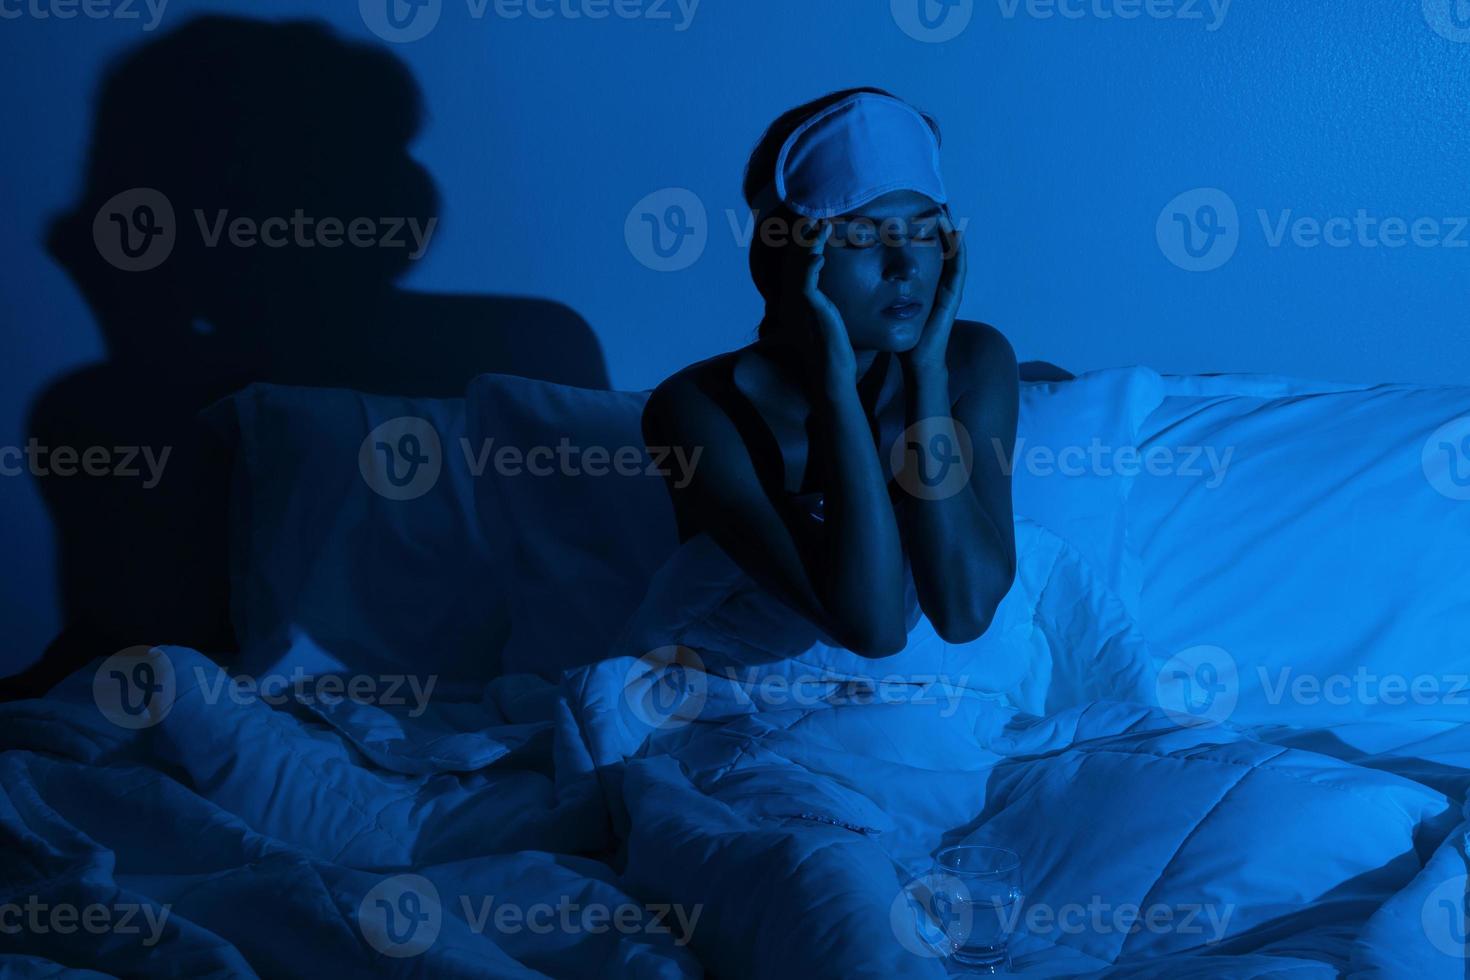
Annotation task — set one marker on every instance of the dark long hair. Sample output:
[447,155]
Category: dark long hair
[760,170]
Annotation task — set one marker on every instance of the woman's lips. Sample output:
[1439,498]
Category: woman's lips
[904,309]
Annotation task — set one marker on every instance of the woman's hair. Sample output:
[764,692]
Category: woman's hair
[760,170]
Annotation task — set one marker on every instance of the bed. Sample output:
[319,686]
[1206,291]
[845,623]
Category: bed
[480,727]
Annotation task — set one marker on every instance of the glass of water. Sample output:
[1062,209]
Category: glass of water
[978,899]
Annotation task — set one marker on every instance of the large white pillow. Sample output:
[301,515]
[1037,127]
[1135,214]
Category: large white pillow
[1320,574]
[336,566]
[587,546]
[564,473]
[1075,462]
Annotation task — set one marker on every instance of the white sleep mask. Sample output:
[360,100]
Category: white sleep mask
[853,152]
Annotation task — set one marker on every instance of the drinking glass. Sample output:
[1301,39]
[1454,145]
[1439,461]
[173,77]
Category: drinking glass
[976,901]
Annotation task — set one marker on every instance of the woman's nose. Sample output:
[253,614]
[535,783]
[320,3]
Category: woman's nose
[899,263]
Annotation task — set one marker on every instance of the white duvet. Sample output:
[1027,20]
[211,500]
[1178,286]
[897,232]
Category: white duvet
[751,816]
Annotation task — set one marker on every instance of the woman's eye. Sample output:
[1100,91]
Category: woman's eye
[924,231]
[861,234]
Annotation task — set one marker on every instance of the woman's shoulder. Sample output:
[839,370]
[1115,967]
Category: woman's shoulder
[979,354]
[974,343]
[723,386]
[701,375]
[701,380]
[693,398]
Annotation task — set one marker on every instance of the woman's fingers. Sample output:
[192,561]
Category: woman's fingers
[817,255]
[816,260]
[824,232]
[802,299]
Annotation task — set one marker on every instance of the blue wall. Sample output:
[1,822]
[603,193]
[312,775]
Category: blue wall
[1070,130]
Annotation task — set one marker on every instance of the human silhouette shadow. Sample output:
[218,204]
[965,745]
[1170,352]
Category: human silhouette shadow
[259,120]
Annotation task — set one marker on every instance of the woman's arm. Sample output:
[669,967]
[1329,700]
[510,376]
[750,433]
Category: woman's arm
[959,532]
[844,573]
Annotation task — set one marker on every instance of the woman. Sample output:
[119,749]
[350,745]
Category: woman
[822,439]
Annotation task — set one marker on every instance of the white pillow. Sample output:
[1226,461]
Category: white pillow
[335,566]
[588,525]
[1072,468]
[1319,575]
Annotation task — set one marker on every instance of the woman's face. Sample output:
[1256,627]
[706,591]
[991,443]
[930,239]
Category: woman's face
[882,270]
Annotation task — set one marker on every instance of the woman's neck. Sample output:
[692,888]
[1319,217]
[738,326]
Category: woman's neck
[793,361]
[866,359]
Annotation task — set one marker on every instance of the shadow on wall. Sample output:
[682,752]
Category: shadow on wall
[248,204]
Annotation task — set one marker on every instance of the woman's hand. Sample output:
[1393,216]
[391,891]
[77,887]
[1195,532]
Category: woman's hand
[828,346]
[927,357]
